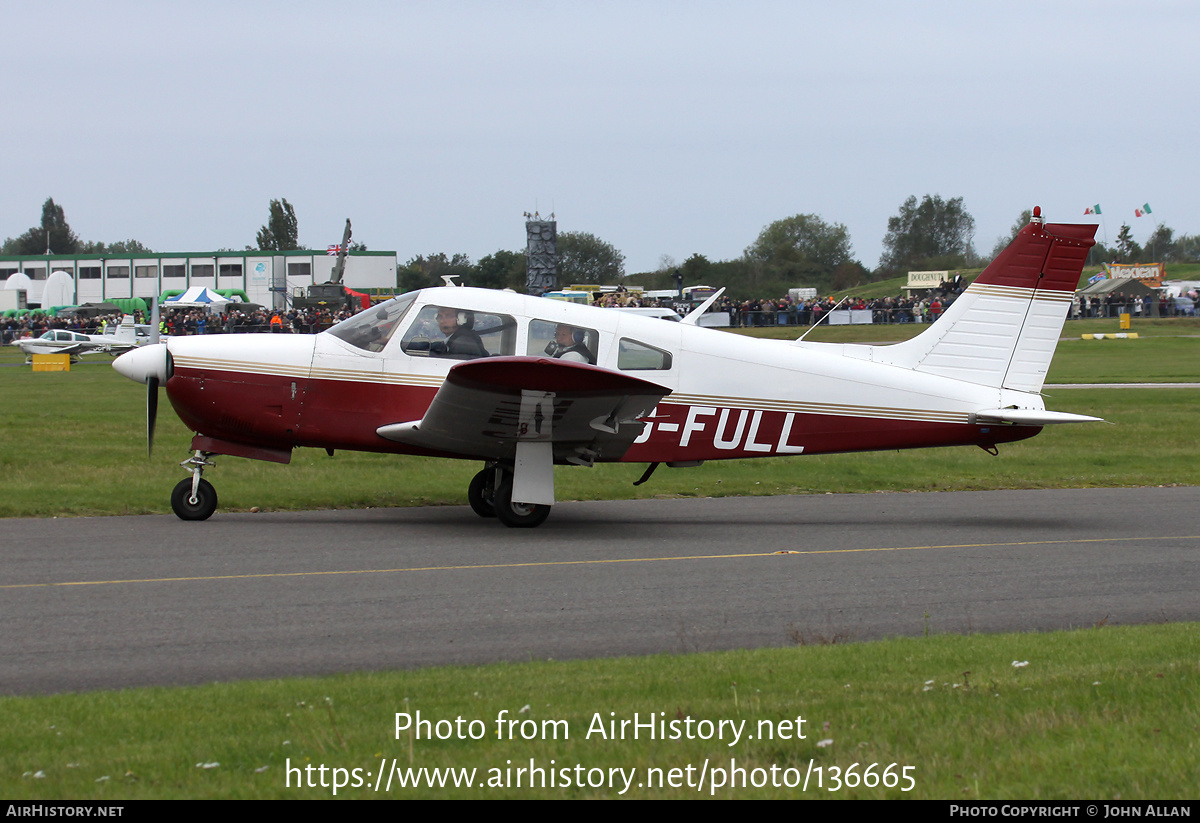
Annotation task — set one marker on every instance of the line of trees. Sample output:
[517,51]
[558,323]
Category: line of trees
[582,258]
[1161,247]
[805,250]
[53,235]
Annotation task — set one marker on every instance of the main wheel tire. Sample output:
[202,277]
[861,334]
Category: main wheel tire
[481,494]
[518,515]
[202,508]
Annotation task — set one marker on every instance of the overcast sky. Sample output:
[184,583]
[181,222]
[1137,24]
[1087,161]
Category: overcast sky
[664,128]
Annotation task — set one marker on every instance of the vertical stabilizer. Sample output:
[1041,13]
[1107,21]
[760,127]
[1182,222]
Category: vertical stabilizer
[1002,330]
[127,331]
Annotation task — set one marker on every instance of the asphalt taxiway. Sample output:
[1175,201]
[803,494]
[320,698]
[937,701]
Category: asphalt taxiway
[114,602]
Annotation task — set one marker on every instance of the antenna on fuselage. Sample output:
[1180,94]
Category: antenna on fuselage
[693,317]
[823,317]
[448,279]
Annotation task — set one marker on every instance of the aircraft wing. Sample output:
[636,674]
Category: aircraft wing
[115,348]
[99,348]
[487,406]
[74,349]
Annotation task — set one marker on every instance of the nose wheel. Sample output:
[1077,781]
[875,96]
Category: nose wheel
[197,504]
[194,498]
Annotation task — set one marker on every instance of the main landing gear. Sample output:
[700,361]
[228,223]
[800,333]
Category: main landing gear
[490,495]
[194,498]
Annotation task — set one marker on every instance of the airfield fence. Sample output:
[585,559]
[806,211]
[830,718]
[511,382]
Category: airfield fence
[896,315]
[738,318]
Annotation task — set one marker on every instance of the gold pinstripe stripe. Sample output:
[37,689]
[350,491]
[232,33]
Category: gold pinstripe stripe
[277,370]
[239,366]
[1018,292]
[1055,296]
[835,409]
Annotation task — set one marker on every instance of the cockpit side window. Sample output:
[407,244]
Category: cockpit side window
[371,330]
[459,334]
[560,340]
[635,356]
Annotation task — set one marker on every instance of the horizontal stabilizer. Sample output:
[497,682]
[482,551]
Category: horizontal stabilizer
[1032,417]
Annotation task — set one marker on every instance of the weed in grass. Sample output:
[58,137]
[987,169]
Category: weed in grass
[799,637]
[309,727]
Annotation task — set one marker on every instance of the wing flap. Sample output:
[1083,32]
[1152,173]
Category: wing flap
[486,406]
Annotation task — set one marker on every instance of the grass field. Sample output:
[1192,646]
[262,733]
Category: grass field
[74,444]
[1096,713]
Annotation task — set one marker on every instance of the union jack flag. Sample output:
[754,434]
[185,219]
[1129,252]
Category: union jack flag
[334,251]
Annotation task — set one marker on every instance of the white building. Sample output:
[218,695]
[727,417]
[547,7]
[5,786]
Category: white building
[265,277]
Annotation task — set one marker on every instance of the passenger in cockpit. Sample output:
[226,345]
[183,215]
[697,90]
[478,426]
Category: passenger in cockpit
[569,345]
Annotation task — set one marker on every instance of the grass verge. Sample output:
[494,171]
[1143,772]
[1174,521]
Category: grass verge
[1095,713]
[74,444]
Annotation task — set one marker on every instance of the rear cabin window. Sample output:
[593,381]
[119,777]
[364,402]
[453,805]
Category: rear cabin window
[635,356]
[560,340]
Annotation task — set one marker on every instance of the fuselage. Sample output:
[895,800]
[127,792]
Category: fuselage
[730,396]
[55,340]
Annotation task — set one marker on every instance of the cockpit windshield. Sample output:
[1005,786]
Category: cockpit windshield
[371,330]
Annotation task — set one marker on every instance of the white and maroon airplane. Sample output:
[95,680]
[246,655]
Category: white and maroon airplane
[524,383]
[124,337]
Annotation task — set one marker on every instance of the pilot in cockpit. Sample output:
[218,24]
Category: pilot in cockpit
[461,338]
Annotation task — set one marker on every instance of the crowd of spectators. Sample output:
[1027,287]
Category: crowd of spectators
[181,322]
[917,308]
[1149,305]
[782,311]
[257,321]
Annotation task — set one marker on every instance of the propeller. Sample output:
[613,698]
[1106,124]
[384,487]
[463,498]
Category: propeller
[151,412]
[152,381]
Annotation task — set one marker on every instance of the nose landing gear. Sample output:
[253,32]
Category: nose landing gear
[194,498]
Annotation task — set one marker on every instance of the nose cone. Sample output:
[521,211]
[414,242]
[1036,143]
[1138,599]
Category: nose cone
[143,363]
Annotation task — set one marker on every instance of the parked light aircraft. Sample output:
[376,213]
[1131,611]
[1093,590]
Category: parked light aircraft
[62,341]
[476,374]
